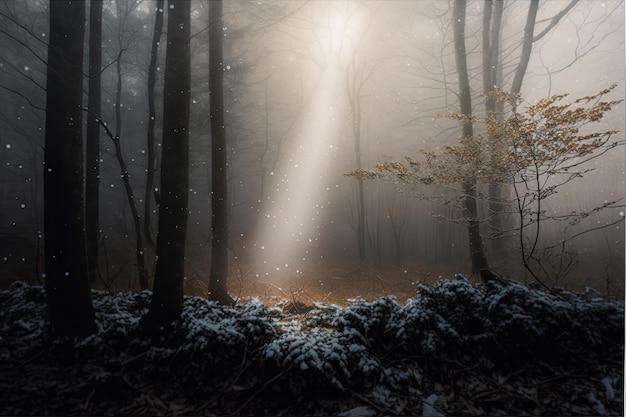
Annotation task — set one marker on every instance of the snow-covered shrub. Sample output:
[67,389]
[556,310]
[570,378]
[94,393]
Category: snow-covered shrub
[210,324]
[23,317]
[442,318]
[210,342]
[319,363]
[506,323]
[119,314]
[368,323]
[534,324]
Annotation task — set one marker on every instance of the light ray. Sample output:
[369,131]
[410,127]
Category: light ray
[290,218]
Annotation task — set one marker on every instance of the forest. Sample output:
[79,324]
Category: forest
[312,207]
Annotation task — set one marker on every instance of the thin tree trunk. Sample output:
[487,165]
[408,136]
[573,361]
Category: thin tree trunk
[167,299]
[355,101]
[156,38]
[527,47]
[92,179]
[492,64]
[67,278]
[144,283]
[477,253]
[219,195]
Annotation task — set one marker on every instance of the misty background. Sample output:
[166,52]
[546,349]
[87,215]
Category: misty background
[304,81]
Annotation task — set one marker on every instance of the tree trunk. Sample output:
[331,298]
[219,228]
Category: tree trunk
[477,252]
[144,282]
[492,66]
[167,299]
[156,38]
[92,179]
[354,94]
[527,47]
[67,278]
[219,196]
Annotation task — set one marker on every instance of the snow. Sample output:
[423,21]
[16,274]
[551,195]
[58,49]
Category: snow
[429,409]
[379,348]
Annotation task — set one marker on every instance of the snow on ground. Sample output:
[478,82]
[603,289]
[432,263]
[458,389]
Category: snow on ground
[455,348]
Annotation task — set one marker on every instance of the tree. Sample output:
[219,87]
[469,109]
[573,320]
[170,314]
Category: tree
[536,153]
[67,278]
[152,70]
[477,251]
[140,249]
[219,180]
[167,299]
[92,178]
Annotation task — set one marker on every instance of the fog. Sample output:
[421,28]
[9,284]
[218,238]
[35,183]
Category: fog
[314,90]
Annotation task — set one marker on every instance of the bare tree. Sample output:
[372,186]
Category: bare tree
[92,152]
[219,179]
[469,185]
[67,279]
[167,299]
[150,169]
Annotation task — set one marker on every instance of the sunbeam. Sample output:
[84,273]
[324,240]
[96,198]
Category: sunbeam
[290,217]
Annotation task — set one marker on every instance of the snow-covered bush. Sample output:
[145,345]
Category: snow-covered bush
[388,354]
[368,323]
[23,317]
[320,362]
[508,323]
[210,342]
[532,324]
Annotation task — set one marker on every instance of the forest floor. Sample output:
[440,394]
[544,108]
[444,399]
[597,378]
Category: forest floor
[338,280]
[453,348]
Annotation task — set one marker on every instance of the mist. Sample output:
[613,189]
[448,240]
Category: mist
[314,90]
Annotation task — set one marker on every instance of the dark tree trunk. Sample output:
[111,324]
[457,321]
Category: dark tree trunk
[67,278]
[92,177]
[477,252]
[156,38]
[492,66]
[219,196]
[527,46]
[167,299]
[140,251]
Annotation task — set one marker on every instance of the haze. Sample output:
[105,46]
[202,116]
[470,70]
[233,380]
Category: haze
[314,90]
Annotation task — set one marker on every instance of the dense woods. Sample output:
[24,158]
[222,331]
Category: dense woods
[314,156]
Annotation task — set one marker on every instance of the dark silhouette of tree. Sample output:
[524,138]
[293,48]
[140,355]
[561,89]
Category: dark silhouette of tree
[67,279]
[167,299]
[140,250]
[150,169]
[477,251]
[92,177]
[219,180]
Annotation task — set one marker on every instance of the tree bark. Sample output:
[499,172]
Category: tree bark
[167,299]
[92,152]
[219,196]
[477,252]
[65,259]
[144,282]
[527,47]
[492,65]
[156,38]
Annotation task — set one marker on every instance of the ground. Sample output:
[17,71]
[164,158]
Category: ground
[453,348]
